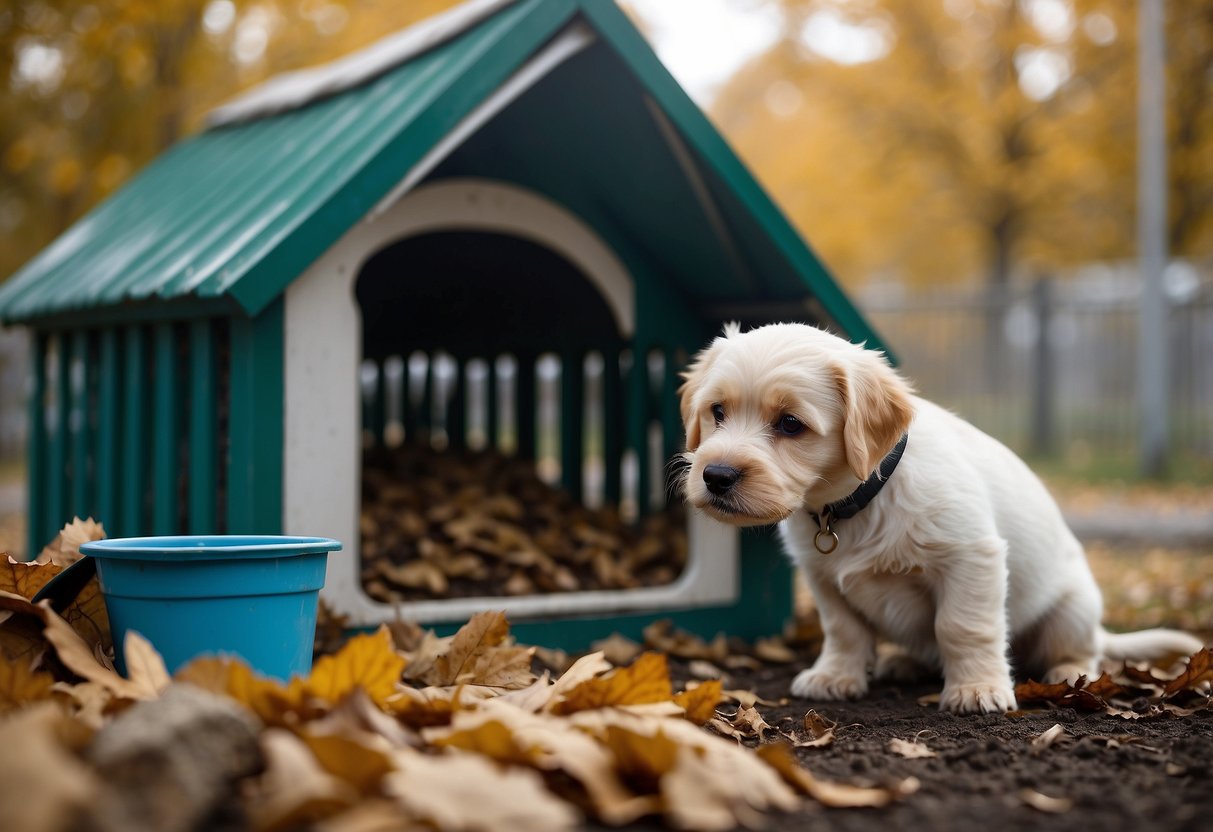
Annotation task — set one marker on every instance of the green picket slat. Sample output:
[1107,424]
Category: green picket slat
[166,407]
[57,472]
[203,429]
[254,479]
[109,385]
[81,475]
[133,474]
[37,446]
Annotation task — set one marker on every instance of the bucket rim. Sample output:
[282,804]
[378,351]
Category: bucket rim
[208,547]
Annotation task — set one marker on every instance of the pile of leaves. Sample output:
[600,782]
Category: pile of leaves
[1132,691]
[445,525]
[397,729]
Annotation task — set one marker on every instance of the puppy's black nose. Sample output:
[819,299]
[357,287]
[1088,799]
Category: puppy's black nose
[720,478]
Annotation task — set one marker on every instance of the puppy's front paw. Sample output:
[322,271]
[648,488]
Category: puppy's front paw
[978,699]
[828,684]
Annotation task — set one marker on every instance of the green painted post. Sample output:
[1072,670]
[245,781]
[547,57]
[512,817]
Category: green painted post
[254,480]
[82,477]
[37,447]
[572,422]
[166,431]
[57,482]
[133,478]
[203,429]
[108,402]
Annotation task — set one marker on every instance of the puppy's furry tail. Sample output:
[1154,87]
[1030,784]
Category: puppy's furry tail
[1149,645]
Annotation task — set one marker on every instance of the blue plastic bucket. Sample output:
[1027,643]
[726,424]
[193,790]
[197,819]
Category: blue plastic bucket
[254,597]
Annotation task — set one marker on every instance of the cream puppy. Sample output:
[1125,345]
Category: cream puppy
[960,558]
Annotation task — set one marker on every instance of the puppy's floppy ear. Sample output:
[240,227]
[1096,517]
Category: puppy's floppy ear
[876,407]
[692,380]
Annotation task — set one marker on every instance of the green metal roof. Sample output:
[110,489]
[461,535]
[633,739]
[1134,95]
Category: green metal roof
[237,212]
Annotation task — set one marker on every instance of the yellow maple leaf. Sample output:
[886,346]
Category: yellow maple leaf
[20,684]
[366,661]
[645,681]
[700,702]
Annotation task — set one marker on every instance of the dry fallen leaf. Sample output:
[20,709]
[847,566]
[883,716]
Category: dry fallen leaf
[368,661]
[617,649]
[295,788]
[64,550]
[836,795]
[144,667]
[1048,738]
[25,578]
[71,650]
[1045,803]
[20,684]
[1198,672]
[43,785]
[664,636]
[478,654]
[910,749]
[700,702]
[774,650]
[462,791]
[644,681]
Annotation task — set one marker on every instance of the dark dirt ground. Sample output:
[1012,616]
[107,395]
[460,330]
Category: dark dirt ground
[1133,774]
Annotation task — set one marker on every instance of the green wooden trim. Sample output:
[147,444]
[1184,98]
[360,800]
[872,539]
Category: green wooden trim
[109,383]
[715,152]
[254,481]
[36,440]
[272,270]
[147,312]
[572,422]
[166,431]
[133,480]
[81,439]
[58,476]
[203,428]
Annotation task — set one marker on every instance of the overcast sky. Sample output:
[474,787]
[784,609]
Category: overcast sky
[702,42]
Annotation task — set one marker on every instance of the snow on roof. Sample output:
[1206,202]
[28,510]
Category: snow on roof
[292,90]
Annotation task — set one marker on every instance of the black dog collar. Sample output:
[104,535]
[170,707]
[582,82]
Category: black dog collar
[826,539]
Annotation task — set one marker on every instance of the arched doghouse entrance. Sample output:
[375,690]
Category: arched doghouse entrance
[471,270]
[456,325]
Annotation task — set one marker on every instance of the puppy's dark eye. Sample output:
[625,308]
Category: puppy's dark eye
[718,413]
[789,426]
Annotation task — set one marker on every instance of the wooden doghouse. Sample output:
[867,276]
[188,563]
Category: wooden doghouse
[507,179]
